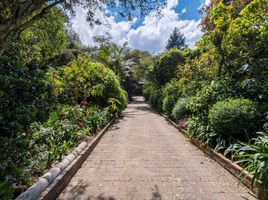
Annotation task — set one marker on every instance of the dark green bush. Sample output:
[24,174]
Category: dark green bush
[153,95]
[168,104]
[25,96]
[156,99]
[234,117]
[166,66]
[180,110]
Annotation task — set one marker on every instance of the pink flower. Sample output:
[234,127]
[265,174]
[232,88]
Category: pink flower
[84,103]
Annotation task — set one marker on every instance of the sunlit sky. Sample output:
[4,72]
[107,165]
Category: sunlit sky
[149,33]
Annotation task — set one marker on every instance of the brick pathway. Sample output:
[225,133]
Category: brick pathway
[143,157]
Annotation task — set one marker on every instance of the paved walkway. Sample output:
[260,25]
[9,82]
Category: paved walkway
[143,157]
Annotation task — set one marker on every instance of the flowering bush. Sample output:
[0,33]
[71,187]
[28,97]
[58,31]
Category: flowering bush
[84,80]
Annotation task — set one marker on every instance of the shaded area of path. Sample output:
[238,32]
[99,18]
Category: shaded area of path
[143,157]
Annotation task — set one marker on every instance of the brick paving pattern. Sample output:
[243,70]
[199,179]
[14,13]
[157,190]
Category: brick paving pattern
[143,157]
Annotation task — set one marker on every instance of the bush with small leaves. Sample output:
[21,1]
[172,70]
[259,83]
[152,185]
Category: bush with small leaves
[180,109]
[234,117]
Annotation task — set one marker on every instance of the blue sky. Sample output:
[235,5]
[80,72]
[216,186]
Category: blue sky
[149,33]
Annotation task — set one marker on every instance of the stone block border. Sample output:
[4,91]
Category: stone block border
[226,163]
[52,183]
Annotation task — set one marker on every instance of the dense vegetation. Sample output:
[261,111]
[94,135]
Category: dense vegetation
[221,87]
[53,95]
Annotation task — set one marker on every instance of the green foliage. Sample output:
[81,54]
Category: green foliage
[153,95]
[196,69]
[26,96]
[15,156]
[168,104]
[180,110]
[167,64]
[246,46]
[65,128]
[173,88]
[85,80]
[212,92]
[29,153]
[43,40]
[234,117]
[156,99]
[171,92]
[197,127]
[253,157]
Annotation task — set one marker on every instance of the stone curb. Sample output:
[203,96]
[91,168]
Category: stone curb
[52,183]
[226,163]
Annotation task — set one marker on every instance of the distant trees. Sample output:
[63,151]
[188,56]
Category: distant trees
[176,40]
[166,66]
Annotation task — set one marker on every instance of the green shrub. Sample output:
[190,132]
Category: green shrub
[65,128]
[148,88]
[156,99]
[197,127]
[253,157]
[168,104]
[85,80]
[165,67]
[173,88]
[234,117]
[26,96]
[180,109]
[153,95]
[210,93]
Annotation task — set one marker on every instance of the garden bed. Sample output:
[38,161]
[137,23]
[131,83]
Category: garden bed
[51,184]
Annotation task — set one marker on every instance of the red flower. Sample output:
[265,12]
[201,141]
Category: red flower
[84,103]
[85,111]
[30,133]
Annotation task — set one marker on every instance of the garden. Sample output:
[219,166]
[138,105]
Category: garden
[56,92]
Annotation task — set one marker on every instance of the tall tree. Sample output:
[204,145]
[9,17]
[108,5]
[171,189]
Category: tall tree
[16,16]
[176,40]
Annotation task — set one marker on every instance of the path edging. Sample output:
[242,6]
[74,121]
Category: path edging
[52,183]
[226,163]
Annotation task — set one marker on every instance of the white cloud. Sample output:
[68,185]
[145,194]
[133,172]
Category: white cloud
[183,11]
[151,35]
[172,4]
[118,30]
